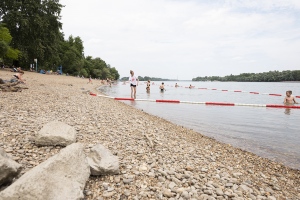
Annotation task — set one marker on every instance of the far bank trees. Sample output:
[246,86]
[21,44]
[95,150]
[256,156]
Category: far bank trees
[271,76]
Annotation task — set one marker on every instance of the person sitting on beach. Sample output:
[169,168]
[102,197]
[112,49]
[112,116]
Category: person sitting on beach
[14,69]
[148,86]
[162,87]
[18,77]
[176,85]
[289,98]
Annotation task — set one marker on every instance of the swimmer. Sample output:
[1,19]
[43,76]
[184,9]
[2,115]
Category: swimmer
[162,87]
[289,98]
[191,86]
[176,85]
[133,83]
[148,86]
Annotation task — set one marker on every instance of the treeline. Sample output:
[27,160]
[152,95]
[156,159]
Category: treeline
[32,30]
[271,76]
[146,78]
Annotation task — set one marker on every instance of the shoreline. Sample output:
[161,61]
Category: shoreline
[197,163]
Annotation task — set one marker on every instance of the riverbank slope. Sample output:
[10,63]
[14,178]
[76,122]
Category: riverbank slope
[158,159]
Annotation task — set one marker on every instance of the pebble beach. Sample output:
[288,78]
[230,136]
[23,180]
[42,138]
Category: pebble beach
[158,159]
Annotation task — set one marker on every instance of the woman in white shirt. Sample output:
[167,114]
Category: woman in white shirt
[133,83]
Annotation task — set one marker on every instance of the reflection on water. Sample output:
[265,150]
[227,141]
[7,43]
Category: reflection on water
[287,111]
[268,132]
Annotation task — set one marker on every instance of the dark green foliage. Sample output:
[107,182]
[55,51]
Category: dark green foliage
[35,28]
[271,76]
[6,51]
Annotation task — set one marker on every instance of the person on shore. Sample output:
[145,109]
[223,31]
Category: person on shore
[148,86]
[176,85]
[108,82]
[162,87]
[18,77]
[90,80]
[289,98]
[134,82]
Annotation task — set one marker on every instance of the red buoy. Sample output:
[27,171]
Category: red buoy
[281,106]
[168,101]
[275,95]
[126,99]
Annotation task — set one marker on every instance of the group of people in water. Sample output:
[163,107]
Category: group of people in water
[134,83]
[288,100]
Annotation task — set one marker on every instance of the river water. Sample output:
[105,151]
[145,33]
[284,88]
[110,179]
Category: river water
[273,133]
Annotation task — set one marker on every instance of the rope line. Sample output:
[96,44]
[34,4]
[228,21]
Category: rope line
[194,102]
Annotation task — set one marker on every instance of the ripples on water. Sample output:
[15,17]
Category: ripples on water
[268,132]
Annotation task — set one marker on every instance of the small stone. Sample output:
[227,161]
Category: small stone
[127,181]
[108,194]
[168,193]
[229,185]
[185,195]
[219,192]
[180,190]
[171,185]
[209,192]
[161,179]
[143,168]
[117,180]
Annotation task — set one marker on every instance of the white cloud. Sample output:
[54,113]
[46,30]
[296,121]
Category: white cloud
[187,38]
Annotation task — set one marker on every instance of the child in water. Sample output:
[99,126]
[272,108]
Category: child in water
[162,87]
[289,98]
[148,86]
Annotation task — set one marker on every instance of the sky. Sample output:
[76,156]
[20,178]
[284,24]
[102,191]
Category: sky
[183,39]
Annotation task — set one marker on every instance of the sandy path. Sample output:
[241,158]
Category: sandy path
[181,164]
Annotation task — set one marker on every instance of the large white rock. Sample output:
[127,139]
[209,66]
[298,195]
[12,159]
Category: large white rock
[102,161]
[63,176]
[56,133]
[9,168]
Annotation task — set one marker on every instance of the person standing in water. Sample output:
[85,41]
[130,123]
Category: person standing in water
[148,86]
[289,98]
[162,87]
[133,83]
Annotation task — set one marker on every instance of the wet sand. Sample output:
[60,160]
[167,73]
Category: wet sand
[158,159]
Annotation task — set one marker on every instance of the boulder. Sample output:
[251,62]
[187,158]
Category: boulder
[9,168]
[56,133]
[102,161]
[63,176]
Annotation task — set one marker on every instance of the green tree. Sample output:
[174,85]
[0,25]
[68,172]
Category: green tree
[35,28]
[5,40]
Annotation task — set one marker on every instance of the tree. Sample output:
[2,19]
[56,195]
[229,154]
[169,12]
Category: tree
[5,40]
[35,28]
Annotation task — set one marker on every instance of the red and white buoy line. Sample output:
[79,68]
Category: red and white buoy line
[222,90]
[204,103]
